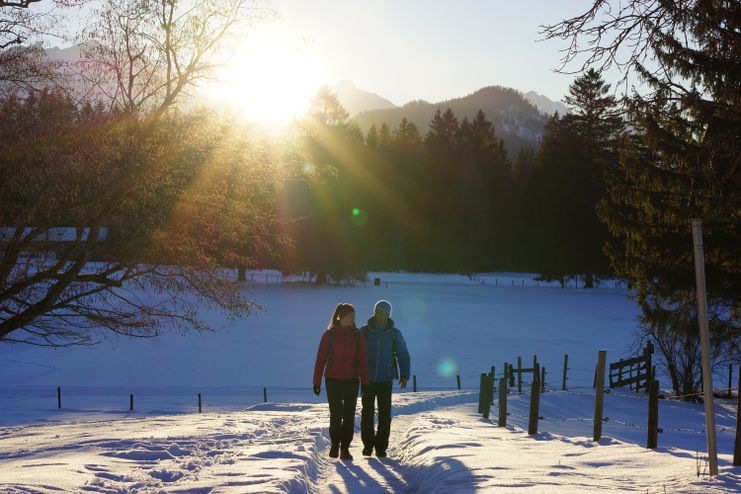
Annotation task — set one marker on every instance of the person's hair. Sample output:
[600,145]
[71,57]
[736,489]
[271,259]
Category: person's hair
[340,311]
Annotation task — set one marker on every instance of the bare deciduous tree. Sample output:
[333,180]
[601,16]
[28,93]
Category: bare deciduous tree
[122,215]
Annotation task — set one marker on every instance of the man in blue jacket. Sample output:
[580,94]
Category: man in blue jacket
[386,348]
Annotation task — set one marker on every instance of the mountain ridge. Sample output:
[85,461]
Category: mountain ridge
[517,121]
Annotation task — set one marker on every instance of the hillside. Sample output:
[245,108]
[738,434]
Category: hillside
[518,123]
[356,100]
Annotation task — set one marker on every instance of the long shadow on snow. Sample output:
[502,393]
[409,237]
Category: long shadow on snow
[447,475]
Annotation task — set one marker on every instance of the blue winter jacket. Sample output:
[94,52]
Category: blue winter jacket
[386,347]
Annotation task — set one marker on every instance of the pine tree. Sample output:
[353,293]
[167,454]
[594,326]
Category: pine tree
[684,162]
[441,146]
[328,238]
[575,152]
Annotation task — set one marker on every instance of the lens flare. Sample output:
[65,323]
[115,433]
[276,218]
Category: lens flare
[447,367]
[359,217]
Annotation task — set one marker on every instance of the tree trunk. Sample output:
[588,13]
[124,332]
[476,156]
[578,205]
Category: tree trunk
[589,280]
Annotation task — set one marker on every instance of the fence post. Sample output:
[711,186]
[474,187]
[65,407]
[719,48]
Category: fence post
[482,387]
[511,375]
[414,383]
[653,414]
[542,379]
[59,397]
[532,426]
[486,404]
[730,373]
[737,444]
[131,403]
[502,402]
[199,403]
[492,382]
[648,353]
[600,394]
[458,378]
[565,368]
[265,394]
[519,375]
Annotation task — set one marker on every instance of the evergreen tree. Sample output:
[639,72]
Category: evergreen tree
[684,162]
[441,147]
[484,187]
[371,139]
[328,238]
[575,152]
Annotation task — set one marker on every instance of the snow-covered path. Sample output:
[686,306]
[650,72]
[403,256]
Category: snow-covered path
[438,445]
[368,474]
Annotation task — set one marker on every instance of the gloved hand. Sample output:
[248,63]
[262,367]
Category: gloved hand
[317,390]
[403,382]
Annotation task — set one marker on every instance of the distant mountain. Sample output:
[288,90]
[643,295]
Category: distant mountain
[517,121]
[71,54]
[356,100]
[544,104]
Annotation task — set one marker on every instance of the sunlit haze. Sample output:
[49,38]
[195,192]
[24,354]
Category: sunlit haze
[270,79]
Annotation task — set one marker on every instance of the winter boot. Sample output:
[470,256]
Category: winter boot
[381,453]
[345,454]
[334,451]
[368,450]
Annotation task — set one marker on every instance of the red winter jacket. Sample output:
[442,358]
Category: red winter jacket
[348,359]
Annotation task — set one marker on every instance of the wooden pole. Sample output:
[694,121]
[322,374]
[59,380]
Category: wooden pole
[131,403]
[492,382]
[482,391]
[59,397]
[511,375]
[265,394]
[458,378]
[737,444]
[599,394]
[653,414]
[730,374]
[565,368]
[542,379]
[702,316]
[199,403]
[486,404]
[532,425]
[503,402]
[414,383]
[519,375]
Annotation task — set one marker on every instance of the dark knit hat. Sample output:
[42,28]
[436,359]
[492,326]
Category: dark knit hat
[342,310]
[383,305]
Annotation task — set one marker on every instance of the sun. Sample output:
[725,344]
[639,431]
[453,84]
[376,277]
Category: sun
[270,79]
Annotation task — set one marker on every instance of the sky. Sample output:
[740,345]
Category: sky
[433,49]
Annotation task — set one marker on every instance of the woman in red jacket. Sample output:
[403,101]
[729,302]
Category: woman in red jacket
[342,358]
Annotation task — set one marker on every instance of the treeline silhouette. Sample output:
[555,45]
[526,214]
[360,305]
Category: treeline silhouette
[453,199]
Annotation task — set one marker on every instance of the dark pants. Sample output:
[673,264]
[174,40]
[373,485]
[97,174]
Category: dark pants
[382,393]
[342,395]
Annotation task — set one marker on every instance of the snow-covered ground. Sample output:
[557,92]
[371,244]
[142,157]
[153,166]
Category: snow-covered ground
[453,326]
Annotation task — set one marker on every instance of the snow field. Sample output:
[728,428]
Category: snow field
[453,326]
[438,444]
